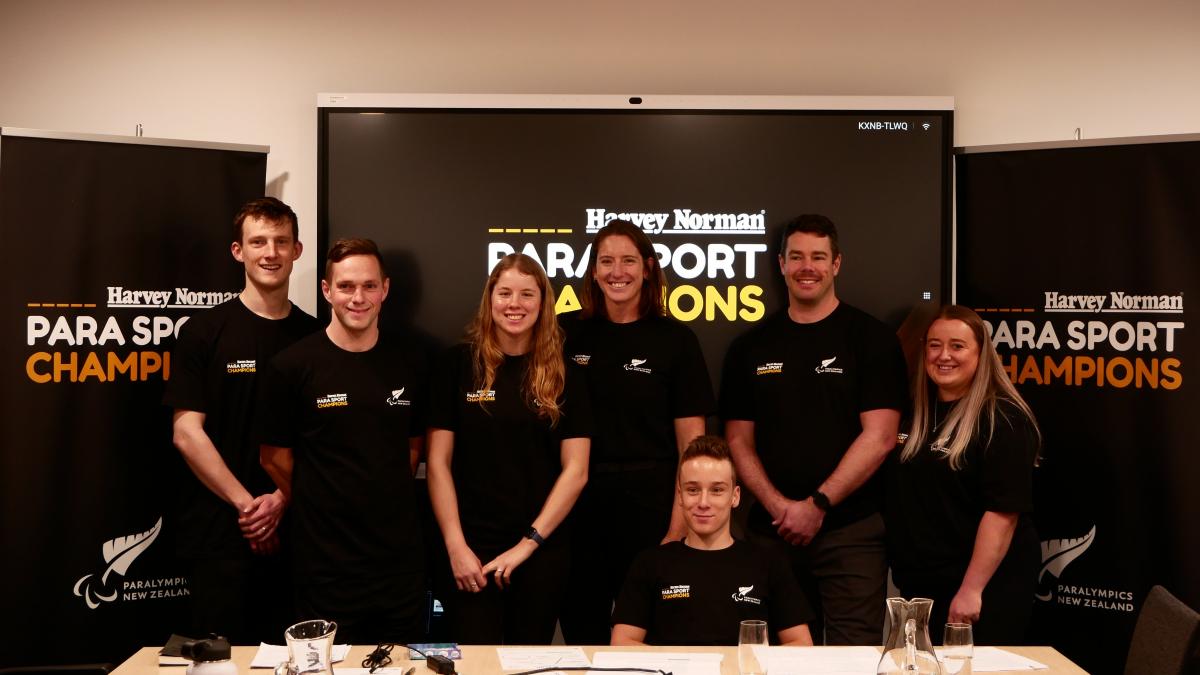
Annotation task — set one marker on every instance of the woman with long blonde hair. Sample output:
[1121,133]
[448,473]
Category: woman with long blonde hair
[960,492]
[508,456]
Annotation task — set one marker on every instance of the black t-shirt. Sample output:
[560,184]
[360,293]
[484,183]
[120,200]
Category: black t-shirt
[214,370]
[933,512]
[642,376]
[804,386]
[506,457]
[348,417]
[687,596]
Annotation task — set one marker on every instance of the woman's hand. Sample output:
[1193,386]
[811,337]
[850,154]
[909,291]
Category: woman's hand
[992,539]
[468,572]
[501,568]
[965,606]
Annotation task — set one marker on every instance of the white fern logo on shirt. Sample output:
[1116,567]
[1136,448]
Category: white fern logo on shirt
[826,366]
[743,595]
[395,399]
[636,365]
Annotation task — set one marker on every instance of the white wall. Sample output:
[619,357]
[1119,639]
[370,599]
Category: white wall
[249,72]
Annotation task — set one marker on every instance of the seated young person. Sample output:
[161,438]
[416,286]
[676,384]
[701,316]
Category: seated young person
[698,590]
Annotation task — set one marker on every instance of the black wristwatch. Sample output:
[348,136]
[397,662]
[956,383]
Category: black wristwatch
[821,500]
[535,536]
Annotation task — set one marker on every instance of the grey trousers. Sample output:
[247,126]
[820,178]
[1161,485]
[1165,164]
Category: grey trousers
[843,573]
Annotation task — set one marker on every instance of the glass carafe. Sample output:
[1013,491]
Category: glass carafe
[908,650]
[310,646]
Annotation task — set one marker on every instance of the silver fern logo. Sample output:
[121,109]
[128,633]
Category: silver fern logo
[1103,594]
[636,365]
[119,553]
[827,366]
[1056,555]
[743,595]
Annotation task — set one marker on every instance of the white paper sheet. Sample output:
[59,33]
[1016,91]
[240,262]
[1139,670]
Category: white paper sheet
[992,659]
[269,656]
[390,670]
[805,660]
[529,658]
[677,663]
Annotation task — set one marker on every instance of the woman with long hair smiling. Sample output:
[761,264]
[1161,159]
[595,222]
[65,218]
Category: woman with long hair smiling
[960,493]
[650,393]
[508,455]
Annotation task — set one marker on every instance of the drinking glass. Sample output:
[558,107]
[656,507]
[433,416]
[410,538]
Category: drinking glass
[958,645]
[752,634]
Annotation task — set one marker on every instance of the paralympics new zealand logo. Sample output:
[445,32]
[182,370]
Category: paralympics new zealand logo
[636,365]
[826,364]
[743,595]
[395,399]
[1102,594]
[119,553]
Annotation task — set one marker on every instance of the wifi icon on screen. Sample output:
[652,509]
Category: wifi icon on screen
[925,126]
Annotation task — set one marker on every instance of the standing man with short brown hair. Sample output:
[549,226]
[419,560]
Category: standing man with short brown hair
[229,510]
[811,399]
[342,428]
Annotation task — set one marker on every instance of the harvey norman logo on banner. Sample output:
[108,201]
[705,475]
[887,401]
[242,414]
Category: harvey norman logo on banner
[119,340]
[1115,301]
[111,584]
[682,221]
[717,273]
[179,298]
[1114,339]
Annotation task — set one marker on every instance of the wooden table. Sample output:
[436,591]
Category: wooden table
[482,660]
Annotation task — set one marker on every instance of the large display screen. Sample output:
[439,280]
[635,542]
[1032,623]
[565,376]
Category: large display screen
[448,185]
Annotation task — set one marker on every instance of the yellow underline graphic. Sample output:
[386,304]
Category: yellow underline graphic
[530,230]
[62,305]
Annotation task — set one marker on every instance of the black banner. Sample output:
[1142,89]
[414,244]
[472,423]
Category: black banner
[1082,260]
[111,245]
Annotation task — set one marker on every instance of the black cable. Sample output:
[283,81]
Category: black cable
[381,657]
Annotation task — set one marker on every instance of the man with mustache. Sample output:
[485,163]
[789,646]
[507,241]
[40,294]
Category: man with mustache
[811,399]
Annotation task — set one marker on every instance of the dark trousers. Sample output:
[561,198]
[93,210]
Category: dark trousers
[242,597]
[843,573]
[618,515]
[524,612]
[1007,599]
[394,608]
